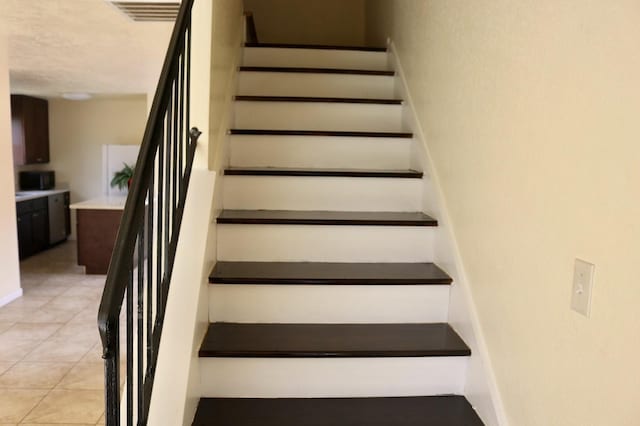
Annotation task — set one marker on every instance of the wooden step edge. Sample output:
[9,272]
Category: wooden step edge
[325,273]
[317,47]
[323,222]
[330,133]
[398,174]
[311,70]
[246,98]
[246,340]
[437,410]
[434,353]
[327,218]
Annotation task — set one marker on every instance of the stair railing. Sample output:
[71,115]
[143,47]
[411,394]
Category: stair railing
[143,256]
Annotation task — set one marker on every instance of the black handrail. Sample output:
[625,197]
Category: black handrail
[148,236]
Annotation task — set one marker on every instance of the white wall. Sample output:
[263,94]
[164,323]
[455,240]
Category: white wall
[530,114]
[10,281]
[309,21]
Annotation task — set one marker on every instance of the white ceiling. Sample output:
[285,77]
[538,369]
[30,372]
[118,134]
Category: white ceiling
[59,46]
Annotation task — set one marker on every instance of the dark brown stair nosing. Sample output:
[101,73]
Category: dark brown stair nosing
[363,173]
[314,217]
[316,99]
[328,273]
[312,70]
[338,133]
[317,47]
[267,340]
[438,410]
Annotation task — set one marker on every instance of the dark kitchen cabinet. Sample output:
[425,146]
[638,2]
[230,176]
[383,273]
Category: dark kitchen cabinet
[30,130]
[42,223]
[33,226]
[25,235]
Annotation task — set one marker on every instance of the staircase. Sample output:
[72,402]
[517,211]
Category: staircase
[324,306]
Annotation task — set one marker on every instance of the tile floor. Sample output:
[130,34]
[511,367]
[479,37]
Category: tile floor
[50,366]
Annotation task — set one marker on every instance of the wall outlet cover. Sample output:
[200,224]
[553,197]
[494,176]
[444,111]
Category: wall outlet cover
[582,287]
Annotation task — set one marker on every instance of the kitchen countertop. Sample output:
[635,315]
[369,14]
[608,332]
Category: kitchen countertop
[112,202]
[32,195]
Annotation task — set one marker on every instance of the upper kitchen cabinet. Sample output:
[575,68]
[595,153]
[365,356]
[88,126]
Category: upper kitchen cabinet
[30,129]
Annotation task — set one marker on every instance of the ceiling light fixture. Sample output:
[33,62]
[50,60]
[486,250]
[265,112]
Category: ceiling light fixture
[76,96]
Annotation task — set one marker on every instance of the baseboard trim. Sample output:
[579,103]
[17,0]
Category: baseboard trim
[10,297]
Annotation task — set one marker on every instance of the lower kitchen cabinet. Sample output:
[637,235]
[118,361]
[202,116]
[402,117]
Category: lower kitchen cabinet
[42,222]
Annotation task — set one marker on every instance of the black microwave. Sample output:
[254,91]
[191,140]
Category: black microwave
[37,180]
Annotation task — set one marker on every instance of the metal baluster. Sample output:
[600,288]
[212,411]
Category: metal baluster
[112,379]
[175,170]
[168,210]
[159,249]
[129,314]
[188,88]
[150,258]
[140,331]
[181,126]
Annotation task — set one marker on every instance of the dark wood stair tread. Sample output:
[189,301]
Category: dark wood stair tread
[328,273]
[312,217]
[317,99]
[331,340]
[449,410]
[338,133]
[284,171]
[317,47]
[314,70]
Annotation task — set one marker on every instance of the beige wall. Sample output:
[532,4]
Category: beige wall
[79,129]
[309,21]
[530,111]
[10,281]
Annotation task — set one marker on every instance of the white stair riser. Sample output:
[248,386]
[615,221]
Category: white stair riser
[314,58]
[336,243]
[336,304]
[311,84]
[320,152]
[321,377]
[321,193]
[318,116]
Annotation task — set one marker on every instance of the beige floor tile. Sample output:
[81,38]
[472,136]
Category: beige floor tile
[94,354]
[15,350]
[88,376]
[101,421]
[29,301]
[53,424]
[88,314]
[4,366]
[70,406]
[46,290]
[14,314]
[55,350]
[76,304]
[30,331]
[5,325]
[78,331]
[47,314]
[83,291]
[34,375]
[16,403]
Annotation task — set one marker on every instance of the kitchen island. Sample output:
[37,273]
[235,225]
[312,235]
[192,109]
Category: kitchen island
[97,223]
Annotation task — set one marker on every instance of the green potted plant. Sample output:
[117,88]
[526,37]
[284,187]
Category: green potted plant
[122,178]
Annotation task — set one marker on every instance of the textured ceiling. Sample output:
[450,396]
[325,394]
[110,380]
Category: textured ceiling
[59,46]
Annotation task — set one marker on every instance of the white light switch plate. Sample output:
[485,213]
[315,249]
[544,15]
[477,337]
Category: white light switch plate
[582,287]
